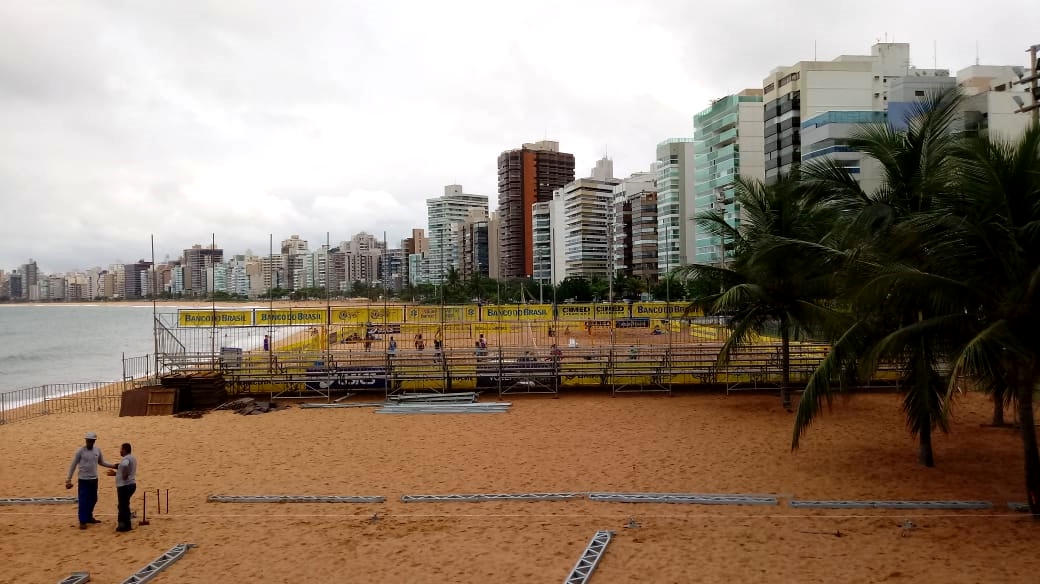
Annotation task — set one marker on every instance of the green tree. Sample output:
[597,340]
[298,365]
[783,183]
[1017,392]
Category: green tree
[889,277]
[774,280]
[987,235]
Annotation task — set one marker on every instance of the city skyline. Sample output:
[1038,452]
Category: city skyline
[188,119]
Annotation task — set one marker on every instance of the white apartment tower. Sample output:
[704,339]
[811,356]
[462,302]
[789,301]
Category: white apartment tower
[580,232]
[675,202]
[452,207]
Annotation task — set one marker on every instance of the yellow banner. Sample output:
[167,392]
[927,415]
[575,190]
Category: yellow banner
[419,314]
[524,312]
[349,315]
[377,315]
[611,311]
[575,311]
[660,310]
[223,318]
[290,316]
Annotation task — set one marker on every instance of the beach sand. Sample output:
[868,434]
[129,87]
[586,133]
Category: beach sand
[688,443]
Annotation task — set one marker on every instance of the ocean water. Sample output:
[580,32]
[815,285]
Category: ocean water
[56,343]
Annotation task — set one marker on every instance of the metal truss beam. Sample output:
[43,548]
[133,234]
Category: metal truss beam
[161,563]
[477,498]
[688,498]
[76,578]
[291,499]
[38,501]
[589,558]
[953,505]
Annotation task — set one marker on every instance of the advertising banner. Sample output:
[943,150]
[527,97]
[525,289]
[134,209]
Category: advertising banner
[611,311]
[349,315]
[282,317]
[575,311]
[524,312]
[660,310]
[377,314]
[423,314]
[632,323]
[206,318]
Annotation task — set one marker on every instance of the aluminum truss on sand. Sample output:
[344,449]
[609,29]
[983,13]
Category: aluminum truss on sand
[589,558]
[38,501]
[489,497]
[76,578]
[291,499]
[691,498]
[952,505]
[161,563]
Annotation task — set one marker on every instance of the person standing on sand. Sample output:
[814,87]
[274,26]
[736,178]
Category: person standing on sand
[126,485]
[87,459]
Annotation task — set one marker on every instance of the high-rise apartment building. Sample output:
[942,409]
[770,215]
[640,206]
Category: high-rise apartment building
[362,256]
[572,233]
[796,95]
[675,168]
[197,261]
[30,280]
[294,251]
[136,278]
[542,238]
[634,223]
[471,241]
[316,272]
[415,249]
[443,212]
[526,176]
[728,141]
[494,261]
[393,269]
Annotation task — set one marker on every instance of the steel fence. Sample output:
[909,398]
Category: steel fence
[31,402]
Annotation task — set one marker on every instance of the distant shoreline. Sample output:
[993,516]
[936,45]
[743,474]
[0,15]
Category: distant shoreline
[206,304]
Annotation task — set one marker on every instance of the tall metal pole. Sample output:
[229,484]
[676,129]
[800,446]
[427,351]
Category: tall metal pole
[155,315]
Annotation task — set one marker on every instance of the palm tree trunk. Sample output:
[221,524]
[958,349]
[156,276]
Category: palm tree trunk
[785,365]
[1029,446]
[998,405]
[925,455]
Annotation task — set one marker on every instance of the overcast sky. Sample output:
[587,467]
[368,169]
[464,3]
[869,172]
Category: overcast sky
[122,119]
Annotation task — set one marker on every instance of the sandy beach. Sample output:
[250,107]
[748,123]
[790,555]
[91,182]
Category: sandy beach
[584,442]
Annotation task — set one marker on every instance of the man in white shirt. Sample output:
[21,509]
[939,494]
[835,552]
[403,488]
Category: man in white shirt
[86,460]
[126,485]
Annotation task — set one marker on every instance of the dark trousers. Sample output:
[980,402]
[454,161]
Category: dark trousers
[124,494]
[87,496]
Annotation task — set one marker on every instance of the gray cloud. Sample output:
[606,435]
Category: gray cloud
[122,119]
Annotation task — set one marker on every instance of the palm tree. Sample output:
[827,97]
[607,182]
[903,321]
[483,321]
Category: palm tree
[989,234]
[772,280]
[888,282]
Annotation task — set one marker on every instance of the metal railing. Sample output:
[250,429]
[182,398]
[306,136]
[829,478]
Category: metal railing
[32,402]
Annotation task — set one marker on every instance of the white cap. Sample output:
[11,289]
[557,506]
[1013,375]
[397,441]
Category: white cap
[91,436]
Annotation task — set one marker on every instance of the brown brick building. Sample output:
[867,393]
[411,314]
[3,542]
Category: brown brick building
[526,176]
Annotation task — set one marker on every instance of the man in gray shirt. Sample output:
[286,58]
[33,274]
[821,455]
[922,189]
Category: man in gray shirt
[87,459]
[126,485]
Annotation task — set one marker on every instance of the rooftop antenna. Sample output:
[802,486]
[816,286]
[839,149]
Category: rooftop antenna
[976,52]
[935,54]
[814,50]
